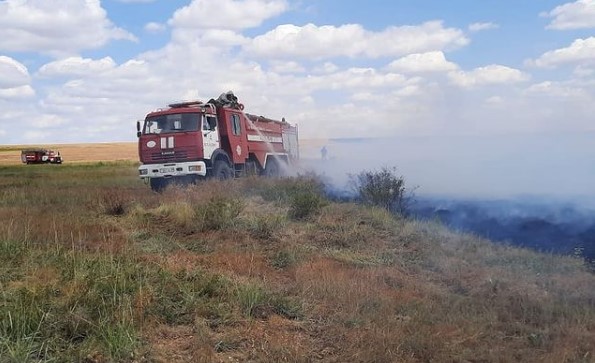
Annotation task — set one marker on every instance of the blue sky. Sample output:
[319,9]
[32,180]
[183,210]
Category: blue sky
[86,70]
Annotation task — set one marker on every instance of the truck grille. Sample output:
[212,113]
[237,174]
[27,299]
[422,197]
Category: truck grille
[181,154]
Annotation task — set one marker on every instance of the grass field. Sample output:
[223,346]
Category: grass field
[94,267]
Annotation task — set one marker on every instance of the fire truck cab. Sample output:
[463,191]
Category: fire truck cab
[192,140]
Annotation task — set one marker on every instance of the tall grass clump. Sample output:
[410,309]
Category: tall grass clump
[305,204]
[284,190]
[113,202]
[251,298]
[263,227]
[22,316]
[219,212]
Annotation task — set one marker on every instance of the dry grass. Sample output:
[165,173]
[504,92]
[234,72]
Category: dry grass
[76,153]
[95,267]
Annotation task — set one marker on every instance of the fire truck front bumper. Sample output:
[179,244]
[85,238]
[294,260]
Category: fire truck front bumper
[170,170]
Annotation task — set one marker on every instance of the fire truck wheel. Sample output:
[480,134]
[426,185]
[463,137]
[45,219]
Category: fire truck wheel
[222,170]
[158,184]
[272,169]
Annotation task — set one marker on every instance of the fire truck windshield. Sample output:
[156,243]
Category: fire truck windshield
[179,122]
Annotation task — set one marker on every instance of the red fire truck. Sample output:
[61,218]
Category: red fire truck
[40,156]
[189,141]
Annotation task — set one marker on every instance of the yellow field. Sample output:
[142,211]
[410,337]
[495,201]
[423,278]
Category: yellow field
[114,151]
[76,153]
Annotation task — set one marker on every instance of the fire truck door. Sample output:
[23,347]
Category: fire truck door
[210,135]
[237,138]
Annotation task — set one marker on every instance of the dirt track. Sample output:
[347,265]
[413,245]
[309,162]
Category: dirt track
[76,153]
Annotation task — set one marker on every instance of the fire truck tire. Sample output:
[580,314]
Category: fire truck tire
[158,184]
[272,170]
[222,170]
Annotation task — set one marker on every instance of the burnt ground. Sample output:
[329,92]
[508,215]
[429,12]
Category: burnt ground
[559,228]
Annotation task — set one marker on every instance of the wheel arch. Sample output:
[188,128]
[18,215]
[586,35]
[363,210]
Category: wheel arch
[276,157]
[220,155]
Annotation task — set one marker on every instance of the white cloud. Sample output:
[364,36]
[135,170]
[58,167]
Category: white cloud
[352,40]
[12,73]
[488,75]
[51,27]
[576,15]
[326,67]
[76,66]
[423,63]
[17,92]
[557,89]
[48,121]
[287,67]
[584,71]
[14,80]
[494,101]
[358,79]
[154,27]
[581,52]
[226,14]
[221,38]
[476,27]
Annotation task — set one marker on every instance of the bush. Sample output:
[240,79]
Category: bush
[219,213]
[113,203]
[251,299]
[382,188]
[283,259]
[264,227]
[305,204]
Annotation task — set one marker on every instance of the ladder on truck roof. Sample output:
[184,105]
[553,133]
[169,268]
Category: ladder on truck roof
[186,104]
[194,104]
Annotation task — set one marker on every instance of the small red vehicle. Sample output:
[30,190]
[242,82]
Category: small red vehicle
[40,156]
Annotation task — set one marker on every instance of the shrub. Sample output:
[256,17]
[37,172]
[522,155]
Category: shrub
[219,213]
[251,298]
[305,204]
[291,308]
[382,188]
[120,340]
[284,258]
[113,203]
[263,227]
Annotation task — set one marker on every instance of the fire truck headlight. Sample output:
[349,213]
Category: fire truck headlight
[194,168]
[143,171]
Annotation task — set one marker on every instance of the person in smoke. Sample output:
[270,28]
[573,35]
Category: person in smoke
[323,152]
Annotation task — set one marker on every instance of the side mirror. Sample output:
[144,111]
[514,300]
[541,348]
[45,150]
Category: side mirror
[138,129]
